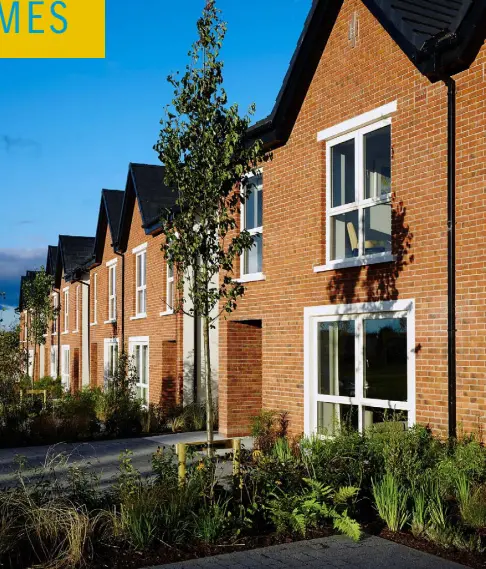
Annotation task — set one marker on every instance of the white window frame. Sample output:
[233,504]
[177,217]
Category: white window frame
[30,364]
[53,364]
[109,355]
[55,305]
[357,312]
[141,288]
[95,299]
[76,321]
[354,128]
[249,277]
[111,292]
[66,310]
[66,375]
[132,344]
[169,289]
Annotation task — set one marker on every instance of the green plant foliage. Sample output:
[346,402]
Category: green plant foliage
[297,513]
[391,502]
[204,146]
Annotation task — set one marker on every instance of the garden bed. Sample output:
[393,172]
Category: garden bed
[427,493]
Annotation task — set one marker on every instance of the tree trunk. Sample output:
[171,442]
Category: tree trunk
[209,387]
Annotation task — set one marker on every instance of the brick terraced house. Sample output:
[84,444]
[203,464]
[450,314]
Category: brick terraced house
[364,289]
[72,285]
[363,302]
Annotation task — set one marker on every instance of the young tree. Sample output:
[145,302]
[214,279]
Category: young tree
[204,146]
[39,307]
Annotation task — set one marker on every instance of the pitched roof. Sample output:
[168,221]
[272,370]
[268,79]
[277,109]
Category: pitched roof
[146,186]
[51,260]
[440,37]
[74,252]
[109,216]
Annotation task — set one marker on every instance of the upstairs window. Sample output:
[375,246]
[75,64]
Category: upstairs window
[66,310]
[55,306]
[252,221]
[170,288]
[141,285]
[112,293]
[359,207]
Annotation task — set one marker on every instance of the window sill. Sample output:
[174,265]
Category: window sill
[356,262]
[65,332]
[75,331]
[93,323]
[167,313]
[113,321]
[139,316]
[251,278]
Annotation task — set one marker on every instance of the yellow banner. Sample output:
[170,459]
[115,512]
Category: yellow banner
[52,29]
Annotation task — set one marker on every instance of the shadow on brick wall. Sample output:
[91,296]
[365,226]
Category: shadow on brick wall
[373,283]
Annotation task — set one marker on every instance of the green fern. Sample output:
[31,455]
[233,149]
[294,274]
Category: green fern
[347,526]
[344,494]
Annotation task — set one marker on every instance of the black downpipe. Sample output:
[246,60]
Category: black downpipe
[196,355]
[122,255]
[58,329]
[451,254]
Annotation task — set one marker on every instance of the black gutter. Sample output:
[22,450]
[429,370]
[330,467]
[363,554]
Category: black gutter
[451,255]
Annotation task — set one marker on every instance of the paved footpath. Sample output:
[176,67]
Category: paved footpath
[327,553]
[100,457]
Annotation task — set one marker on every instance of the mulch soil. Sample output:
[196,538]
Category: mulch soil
[116,558]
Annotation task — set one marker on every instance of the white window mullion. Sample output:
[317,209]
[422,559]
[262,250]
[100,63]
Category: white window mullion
[360,365]
[359,170]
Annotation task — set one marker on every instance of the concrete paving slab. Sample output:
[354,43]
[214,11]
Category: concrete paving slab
[326,553]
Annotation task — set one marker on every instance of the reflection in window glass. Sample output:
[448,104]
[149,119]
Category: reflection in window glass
[254,205]
[342,174]
[385,359]
[377,229]
[344,235]
[253,257]
[337,358]
[377,160]
[377,416]
[334,416]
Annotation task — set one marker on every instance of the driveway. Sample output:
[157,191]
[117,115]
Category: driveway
[327,553]
[102,457]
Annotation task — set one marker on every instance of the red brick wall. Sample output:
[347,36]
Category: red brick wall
[350,81]
[240,396]
[71,337]
[159,329]
[100,328]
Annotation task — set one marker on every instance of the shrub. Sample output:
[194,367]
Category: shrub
[121,411]
[53,386]
[267,427]
[296,513]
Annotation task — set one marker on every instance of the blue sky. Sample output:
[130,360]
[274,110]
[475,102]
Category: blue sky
[69,128]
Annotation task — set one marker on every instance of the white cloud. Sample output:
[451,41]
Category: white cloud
[14,262]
